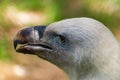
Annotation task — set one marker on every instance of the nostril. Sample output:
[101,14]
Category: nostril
[40,30]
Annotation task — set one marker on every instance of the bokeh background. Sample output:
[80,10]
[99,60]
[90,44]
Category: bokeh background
[17,14]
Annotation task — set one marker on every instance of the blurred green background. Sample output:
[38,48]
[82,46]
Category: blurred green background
[17,14]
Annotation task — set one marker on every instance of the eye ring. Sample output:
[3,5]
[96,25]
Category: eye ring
[62,39]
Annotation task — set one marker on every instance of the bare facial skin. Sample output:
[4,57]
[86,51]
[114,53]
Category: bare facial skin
[83,47]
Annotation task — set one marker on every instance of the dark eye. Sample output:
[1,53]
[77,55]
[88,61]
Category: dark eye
[62,38]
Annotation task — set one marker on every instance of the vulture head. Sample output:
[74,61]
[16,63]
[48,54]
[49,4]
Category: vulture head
[83,47]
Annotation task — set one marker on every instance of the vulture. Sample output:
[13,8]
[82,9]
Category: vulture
[84,48]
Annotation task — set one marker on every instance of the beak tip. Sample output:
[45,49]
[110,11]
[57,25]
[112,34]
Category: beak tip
[15,44]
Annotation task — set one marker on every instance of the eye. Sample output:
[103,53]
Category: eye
[62,38]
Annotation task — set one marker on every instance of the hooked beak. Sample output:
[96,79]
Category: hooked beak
[28,40]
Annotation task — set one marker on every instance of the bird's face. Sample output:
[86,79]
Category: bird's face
[47,43]
[63,43]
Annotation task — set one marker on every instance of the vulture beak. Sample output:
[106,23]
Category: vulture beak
[28,40]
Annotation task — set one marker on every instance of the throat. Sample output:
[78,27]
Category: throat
[77,74]
[72,74]
[86,73]
[79,71]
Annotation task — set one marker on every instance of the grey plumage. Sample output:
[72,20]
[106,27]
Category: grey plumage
[84,48]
